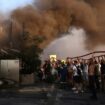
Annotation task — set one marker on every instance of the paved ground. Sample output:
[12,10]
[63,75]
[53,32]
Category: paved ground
[47,95]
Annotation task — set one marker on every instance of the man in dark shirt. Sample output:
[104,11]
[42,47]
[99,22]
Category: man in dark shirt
[103,74]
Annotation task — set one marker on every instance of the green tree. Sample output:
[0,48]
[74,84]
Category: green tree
[30,54]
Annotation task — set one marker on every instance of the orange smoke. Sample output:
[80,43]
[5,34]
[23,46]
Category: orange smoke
[51,18]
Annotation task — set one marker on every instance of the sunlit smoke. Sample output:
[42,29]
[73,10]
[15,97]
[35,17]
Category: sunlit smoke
[70,45]
[67,46]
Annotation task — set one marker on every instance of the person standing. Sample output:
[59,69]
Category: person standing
[77,77]
[97,75]
[103,75]
[91,74]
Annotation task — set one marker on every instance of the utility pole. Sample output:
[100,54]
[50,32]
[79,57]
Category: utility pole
[10,34]
[23,31]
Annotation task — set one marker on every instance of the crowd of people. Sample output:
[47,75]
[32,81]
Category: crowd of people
[79,74]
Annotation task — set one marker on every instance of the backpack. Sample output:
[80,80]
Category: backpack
[79,71]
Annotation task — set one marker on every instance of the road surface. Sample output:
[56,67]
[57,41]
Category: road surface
[47,95]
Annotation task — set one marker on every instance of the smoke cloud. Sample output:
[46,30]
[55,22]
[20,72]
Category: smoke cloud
[53,18]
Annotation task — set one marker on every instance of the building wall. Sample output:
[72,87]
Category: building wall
[27,79]
[9,69]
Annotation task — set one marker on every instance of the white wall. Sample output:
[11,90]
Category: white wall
[9,69]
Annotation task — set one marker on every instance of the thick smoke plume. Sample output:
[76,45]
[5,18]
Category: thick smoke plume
[51,18]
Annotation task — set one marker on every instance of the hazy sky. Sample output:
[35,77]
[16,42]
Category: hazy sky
[8,5]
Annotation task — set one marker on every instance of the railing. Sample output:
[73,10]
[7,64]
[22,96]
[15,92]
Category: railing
[92,55]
